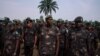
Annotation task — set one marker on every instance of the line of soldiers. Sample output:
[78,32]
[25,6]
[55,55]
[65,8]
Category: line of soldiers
[50,39]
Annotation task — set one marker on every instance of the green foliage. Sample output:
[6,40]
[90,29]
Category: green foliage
[47,6]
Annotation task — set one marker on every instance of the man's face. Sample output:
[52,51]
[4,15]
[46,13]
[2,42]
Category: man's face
[79,24]
[29,24]
[59,24]
[90,28]
[49,21]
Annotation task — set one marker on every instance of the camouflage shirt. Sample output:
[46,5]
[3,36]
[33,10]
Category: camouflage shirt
[10,41]
[29,36]
[92,41]
[62,37]
[78,41]
[47,40]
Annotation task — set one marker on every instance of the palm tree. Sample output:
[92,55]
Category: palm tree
[46,6]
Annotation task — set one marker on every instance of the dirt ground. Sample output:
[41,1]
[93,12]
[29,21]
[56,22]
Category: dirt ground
[35,51]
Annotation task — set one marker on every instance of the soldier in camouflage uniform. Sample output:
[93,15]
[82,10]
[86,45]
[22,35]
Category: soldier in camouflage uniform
[78,39]
[11,41]
[67,41]
[48,39]
[29,38]
[1,37]
[62,37]
[18,28]
[92,41]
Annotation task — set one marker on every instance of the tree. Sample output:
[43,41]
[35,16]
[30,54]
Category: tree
[47,6]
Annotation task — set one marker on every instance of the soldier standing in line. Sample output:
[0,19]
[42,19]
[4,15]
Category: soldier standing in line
[48,39]
[11,41]
[78,39]
[67,41]
[62,37]
[29,36]
[18,28]
[1,37]
[92,40]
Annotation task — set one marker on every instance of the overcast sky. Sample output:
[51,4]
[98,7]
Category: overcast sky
[68,9]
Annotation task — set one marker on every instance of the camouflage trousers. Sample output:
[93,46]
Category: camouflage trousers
[80,52]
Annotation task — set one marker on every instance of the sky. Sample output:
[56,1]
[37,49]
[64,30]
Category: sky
[68,9]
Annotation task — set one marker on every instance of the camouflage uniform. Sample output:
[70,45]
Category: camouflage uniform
[19,30]
[67,44]
[78,42]
[29,37]
[1,38]
[78,39]
[63,41]
[10,43]
[92,43]
[47,41]
[61,37]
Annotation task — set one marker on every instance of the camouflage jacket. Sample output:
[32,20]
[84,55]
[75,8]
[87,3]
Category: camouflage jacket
[78,41]
[29,36]
[47,40]
[10,41]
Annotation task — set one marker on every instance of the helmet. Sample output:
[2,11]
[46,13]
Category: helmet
[78,19]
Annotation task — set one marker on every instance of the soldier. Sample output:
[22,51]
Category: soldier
[11,41]
[62,37]
[1,37]
[78,39]
[70,27]
[38,24]
[18,28]
[29,38]
[48,39]
[92,40]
